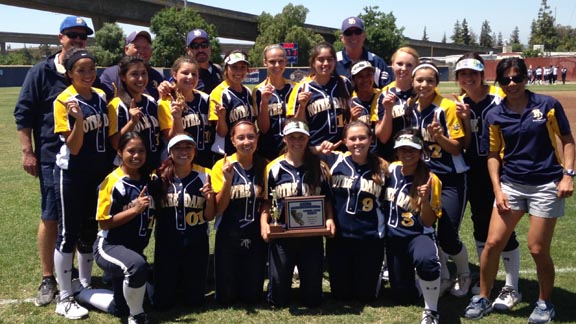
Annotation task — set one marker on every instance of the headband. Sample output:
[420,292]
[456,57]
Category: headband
[423,66]
[78,56]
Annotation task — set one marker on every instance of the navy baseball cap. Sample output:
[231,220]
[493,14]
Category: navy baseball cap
[352,22]
[196,33]
[74,21]
[130,38]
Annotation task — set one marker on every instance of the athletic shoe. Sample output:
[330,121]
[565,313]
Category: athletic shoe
[543,313]
[478,307]
[70,309]
[46,292]
[475,289]
[445,286]
[507,299]
[462,285]
[138,319]
[430,317]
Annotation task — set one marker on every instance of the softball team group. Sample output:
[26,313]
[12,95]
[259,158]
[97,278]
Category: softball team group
[396,166]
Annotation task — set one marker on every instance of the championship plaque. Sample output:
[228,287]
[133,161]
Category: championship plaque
[304,216]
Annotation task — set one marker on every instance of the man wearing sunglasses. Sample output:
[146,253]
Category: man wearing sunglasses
[35,125]
[137,44]
[198,47]
[353,37]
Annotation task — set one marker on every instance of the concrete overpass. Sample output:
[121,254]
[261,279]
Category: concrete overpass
[7,37]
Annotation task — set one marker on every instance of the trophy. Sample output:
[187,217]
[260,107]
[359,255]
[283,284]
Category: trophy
[275,227]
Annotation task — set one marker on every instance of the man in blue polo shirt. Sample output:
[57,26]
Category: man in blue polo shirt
[353,37]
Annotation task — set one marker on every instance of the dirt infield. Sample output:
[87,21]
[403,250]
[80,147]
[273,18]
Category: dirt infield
[568,100]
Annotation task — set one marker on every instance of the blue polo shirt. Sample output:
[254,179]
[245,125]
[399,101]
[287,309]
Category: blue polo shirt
[382,72]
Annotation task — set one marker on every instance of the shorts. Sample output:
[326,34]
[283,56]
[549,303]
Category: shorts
[47,192]
[536,200]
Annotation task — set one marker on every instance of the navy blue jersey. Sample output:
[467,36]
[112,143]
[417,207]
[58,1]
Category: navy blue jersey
[116,194]
[288,181]
[526,142]
[242,217]
[356,198]
[209,78]
[96,152]
[368,115]
[401,220]
[325,112]
[271,141]
[110,76]
[181,209]
[382,72]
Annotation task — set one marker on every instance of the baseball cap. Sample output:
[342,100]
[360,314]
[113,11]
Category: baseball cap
[469,63]
[352,22]
[180,138]
[296,126]
[196,33]
[236,57]
[74,21]
[409,140]
[359,66]
[133,35]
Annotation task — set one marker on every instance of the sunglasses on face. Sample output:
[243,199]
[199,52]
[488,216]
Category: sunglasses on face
[350,32]
[196,46]
[506,80]
[74,35]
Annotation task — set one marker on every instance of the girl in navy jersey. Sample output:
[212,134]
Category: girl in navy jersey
[476,100]
[126,217]
[185,205]
[298,172]
[321,100]
[444,138]
[231,101]
[238,181]
[356,253]
[190,108]
[270,99]
[85,158]
[138,111]
[411,209]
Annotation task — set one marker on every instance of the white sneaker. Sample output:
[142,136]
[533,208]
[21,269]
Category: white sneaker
[70,309]
[507,299]
[445,286]
[462,285]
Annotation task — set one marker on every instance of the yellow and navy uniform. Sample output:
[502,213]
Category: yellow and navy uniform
[239,106]
[307,253]
[239,244]
[270,143]
[369,115]
[153,121]
[400,119]
[181,250]
[526,142]
[325,112]
[195,122]
[410,245]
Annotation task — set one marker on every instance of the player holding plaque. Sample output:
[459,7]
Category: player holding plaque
[296,173]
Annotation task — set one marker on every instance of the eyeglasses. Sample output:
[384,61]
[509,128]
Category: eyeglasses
[350,32]
[196,46]
[74,35]
[506,80]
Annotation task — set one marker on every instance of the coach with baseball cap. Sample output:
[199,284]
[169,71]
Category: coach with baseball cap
[198,47]
[353,37]
[137,43]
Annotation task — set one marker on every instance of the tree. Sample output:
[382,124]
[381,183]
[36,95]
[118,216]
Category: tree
[286,27]
[457,33]
[171,26]
[109,47]
[486,39]
[382,35]
[465,30]
[543,30]
[499,40]
[443,41]
[425,35]
[515,36]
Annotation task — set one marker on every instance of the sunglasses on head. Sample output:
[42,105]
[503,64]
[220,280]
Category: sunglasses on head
[199,45]
[74,35]
[350,32]
[506,80]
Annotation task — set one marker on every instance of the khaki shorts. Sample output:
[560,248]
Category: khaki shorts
[536,200]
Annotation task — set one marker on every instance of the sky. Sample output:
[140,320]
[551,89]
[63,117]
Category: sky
[503,16]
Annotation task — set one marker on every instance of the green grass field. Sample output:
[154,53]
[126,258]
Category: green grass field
[20,271]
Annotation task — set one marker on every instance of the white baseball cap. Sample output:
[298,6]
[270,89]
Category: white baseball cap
[296,126]
[180,138]
[409,140]
[359,66]
[469,63]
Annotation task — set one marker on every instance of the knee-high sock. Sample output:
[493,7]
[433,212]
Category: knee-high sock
[85,263]
[431,293]
[444,272]
[101,299]
[134,298]
[461,261]
[63,269]
[511,260]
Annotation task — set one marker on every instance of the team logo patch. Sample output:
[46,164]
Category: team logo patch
[456,127]
[537,115]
